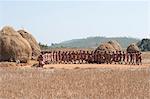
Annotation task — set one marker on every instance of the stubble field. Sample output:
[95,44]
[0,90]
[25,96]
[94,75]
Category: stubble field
[76,81]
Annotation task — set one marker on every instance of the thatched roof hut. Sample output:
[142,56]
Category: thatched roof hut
[33,43]
[132,48]
[13,46]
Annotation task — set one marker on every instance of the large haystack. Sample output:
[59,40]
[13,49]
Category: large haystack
[132,48]
[115,45]
[13,46]
[109,46]
[33,43]
[105,47]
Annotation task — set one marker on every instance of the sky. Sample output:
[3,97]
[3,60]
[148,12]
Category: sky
[56,21]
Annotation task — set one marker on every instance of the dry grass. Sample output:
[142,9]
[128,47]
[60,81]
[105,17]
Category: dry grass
[146,57]
[76,81]
[104,83]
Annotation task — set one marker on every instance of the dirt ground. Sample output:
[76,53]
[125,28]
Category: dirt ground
[75,81]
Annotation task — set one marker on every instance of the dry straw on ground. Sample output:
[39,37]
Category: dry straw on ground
[100,83]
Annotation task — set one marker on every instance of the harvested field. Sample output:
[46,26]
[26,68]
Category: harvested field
[132,82]
[76,81]
[146,57]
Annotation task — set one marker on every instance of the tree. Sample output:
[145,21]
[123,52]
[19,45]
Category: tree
[43,46]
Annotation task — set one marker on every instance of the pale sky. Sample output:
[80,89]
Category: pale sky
[55,21]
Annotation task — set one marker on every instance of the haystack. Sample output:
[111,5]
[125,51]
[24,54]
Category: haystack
[109,46]
[132,48]
[105,47]
[13,46]
[33,43]
[115,45]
